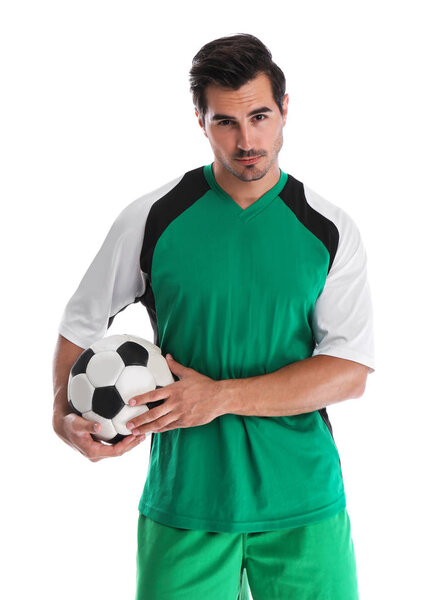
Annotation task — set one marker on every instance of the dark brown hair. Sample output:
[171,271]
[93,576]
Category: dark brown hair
[231,62]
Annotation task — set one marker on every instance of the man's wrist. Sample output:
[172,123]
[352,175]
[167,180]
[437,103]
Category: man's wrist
[227,396]
[58,418]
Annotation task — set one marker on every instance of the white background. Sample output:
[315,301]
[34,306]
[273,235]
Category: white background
[95,112]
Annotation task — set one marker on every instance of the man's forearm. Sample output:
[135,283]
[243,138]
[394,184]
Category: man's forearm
[65,355]
[300,387]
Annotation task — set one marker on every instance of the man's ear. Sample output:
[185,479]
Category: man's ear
[285,108]
[201,123]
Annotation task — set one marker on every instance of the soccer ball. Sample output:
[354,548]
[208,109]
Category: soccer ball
[108,374]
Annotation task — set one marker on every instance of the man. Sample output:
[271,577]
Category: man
[257,292]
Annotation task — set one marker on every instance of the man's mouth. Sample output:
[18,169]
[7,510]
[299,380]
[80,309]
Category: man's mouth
[248,161]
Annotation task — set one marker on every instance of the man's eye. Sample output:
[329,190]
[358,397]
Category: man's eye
[224,122]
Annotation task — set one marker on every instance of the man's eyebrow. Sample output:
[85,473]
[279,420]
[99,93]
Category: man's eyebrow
[263,109]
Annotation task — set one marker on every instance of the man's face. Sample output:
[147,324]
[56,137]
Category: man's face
[245,124]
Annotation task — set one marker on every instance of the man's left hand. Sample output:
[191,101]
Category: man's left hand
[190,401]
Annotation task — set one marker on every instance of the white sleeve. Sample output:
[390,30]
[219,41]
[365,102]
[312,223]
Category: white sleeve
[114,279]
[112,282]
[342,321]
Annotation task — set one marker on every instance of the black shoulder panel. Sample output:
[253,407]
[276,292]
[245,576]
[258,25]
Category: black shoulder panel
[324,229]
[166,209]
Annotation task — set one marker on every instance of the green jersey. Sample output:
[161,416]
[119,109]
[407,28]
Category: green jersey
[235,293]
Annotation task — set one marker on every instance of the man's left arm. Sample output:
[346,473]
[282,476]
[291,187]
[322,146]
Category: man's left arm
[300,387]
[342,324]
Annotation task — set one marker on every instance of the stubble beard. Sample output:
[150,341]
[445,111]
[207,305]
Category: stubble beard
[253,172]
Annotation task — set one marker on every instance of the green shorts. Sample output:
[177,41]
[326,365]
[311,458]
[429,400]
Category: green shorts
[312,562]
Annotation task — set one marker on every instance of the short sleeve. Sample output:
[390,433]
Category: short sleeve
[342,320]
[112,282]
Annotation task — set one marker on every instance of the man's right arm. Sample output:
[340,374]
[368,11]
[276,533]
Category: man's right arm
[113,281]
[70,427]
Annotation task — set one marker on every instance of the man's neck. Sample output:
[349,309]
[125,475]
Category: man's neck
[245,193]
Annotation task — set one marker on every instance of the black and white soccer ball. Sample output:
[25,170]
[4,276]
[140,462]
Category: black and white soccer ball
[108,374]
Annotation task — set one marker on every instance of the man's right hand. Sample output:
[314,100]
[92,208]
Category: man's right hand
[77,432]
[70,427]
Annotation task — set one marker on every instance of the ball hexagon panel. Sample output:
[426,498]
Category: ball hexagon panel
[125,415]
[107,402]
[134,381]
[104,368]
[159,367]
[80,393]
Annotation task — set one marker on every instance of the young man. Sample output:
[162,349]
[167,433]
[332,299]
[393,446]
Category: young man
[258,288]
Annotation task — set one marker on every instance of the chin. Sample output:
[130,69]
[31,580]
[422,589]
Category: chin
[252,175]
[252,172]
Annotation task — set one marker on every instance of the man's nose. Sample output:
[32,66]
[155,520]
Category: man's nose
[244,141]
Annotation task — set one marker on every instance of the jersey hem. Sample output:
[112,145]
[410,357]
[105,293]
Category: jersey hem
[182,522]
[67,333]
[348,354]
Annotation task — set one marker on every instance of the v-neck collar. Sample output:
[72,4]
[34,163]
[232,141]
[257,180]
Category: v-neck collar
[257,206]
